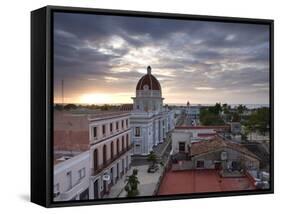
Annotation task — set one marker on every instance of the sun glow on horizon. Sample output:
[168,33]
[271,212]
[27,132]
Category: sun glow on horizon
[104,98]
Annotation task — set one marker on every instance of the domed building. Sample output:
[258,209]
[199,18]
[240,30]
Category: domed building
[150,121]
[148,94]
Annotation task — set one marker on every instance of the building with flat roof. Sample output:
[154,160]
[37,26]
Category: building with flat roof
[110,151]
[91,152]
[71,178]
[71,157]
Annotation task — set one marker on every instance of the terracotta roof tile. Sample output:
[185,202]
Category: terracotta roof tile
[217,143]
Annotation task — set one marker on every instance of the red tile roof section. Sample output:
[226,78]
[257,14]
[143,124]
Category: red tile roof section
[149,80]
[198,181]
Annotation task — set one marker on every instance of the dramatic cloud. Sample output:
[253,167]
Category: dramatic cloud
[204,62]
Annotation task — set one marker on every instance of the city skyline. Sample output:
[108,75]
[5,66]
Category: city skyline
[101,58]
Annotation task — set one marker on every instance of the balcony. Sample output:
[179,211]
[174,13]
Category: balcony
[103,166]
[80,184]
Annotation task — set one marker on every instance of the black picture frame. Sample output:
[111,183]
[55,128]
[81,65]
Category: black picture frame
[42,102]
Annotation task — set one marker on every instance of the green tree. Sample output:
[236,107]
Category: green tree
[235,117]
[152,158]
[241,108]
[132,184]
[225,108]
[70,106]
[210,116]
[258,121]
[216,109]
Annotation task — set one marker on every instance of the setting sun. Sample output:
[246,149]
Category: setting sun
[96,98]
[103,98]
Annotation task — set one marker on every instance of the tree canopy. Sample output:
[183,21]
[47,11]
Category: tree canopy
[259,121]
[132,184]
[211,115]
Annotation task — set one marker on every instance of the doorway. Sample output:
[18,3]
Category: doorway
[96,189]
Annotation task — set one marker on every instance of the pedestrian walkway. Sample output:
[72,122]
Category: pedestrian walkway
[147,186]
[117,188]
[148,181]
[161,148]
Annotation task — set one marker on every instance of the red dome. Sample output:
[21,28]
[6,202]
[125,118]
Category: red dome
[148,80]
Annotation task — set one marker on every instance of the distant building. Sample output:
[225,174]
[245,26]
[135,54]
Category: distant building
[110,151]
[150,121]
[193,112]
[235,127]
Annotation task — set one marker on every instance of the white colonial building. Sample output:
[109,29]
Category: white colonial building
[71,177]
[110,156]
[71,157]
[150,121]
[91,152]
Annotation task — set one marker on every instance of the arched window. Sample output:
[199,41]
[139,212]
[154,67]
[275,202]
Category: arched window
[104,154]
[111,150]
[127,141]
[118,147]
[123,144]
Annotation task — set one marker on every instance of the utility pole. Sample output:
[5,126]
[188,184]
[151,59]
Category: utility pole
[62,94]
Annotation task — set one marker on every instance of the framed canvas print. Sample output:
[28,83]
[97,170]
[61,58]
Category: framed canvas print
[138,106]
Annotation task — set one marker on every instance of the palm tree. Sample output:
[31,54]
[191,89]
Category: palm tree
[132,184]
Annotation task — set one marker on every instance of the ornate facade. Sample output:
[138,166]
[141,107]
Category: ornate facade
[150,121]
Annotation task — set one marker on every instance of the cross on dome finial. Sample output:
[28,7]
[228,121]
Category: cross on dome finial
[148,69]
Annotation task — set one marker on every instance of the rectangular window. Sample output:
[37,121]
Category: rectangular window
[117,125]
[56,188]
[137,133]
[200,164]
[69,180]
[111,127]
[82,173]
[103,129]
[127,123]
[181,146]
[122,124]
[94,130]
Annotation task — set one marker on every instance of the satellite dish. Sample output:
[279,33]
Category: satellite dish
[223,156]
[106,177]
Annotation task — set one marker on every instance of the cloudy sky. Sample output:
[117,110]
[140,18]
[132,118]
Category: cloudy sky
[101,58]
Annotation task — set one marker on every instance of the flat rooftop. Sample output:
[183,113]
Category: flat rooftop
[199,181]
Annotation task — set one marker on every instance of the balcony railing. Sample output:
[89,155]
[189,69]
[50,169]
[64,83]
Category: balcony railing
[80,184]
[103,166]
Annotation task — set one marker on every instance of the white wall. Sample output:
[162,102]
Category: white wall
[73,165]
[180,136]
[15,90]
